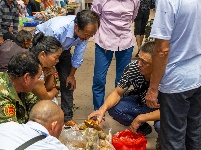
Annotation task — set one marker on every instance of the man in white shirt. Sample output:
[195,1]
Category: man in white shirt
[46,118]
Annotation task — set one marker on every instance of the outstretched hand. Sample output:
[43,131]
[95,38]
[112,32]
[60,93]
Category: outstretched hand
[99,114]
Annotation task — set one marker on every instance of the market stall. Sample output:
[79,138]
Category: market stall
[73,7]
[29,23]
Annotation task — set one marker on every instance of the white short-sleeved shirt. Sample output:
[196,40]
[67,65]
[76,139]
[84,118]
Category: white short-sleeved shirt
[180,22]
[13,134]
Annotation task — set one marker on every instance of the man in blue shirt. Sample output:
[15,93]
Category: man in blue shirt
[71,31]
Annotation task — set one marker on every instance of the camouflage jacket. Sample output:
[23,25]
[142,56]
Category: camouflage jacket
[14,106]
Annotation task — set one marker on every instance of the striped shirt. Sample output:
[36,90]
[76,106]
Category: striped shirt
[9,15]
[132,77]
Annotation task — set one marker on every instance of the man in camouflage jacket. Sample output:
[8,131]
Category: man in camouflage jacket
[22,76]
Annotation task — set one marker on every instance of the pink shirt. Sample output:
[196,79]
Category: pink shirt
[22,9]
[116,18]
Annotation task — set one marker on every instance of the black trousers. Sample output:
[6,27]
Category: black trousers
[63,69]
[141,22]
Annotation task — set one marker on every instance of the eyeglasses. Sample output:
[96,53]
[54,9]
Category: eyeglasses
[143,61]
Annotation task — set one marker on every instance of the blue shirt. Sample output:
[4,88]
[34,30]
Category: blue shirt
[62,28]
[179,21]
[13,134]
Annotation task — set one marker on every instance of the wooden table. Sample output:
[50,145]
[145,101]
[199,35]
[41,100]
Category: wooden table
[32,29]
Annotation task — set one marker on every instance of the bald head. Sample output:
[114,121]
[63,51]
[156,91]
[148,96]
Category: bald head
[45,112]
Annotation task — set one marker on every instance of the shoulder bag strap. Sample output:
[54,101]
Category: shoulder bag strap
[30,142]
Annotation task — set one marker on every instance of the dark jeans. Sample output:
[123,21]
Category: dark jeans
[63,68]
[128,109]
[180,120]
[141,22]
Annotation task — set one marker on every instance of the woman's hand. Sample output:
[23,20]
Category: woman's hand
[49,71]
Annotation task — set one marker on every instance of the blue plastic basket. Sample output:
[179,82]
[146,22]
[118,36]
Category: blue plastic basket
[31,24]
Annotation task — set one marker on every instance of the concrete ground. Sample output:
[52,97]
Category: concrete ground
[83,92]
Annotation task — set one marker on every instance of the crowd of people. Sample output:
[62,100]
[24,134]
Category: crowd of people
[165,77]
[12,10]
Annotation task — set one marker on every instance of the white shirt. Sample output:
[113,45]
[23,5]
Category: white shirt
[179,21]
[13,134]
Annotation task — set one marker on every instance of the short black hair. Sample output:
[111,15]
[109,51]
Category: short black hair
[23,35]
[22,63]
[84,17]
[148,47]
[48,44]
